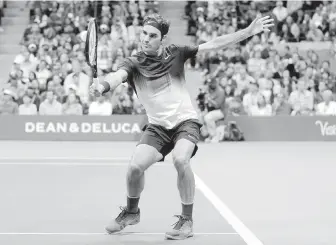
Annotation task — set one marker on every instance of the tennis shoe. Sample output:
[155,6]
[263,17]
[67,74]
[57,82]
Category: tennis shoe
[182,229]
[124,219]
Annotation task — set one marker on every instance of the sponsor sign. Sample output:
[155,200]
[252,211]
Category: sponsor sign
[114,128]
[288,128]
[129,128]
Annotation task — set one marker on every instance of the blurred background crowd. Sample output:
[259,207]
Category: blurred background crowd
[50,75]
[254,77]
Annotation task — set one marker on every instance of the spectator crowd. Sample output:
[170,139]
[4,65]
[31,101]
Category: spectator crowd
[254,77]
[2,5]
[50,75]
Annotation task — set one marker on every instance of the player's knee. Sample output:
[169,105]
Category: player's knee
[135,171]
[181,162]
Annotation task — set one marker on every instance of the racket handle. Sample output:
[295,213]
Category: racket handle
[96,81]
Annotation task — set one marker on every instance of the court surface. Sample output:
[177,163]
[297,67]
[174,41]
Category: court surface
[62,193]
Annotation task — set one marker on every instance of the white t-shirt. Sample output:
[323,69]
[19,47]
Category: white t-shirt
[100,109]
[264,111]
[327,110]
[27,109]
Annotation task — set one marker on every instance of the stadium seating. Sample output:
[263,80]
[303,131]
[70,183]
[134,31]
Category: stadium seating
[271,62]
[51,62]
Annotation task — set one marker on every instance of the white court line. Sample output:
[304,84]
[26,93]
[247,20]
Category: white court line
[91,164]
[227,214]
[71,161]
[84,159]
[100,234]
[224,211]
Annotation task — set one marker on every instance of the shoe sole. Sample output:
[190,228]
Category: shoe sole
[169,237]
[112,232]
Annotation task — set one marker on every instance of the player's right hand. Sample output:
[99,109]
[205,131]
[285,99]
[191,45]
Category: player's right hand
[95,90]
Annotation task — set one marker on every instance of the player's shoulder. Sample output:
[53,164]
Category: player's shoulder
[172,48]
[175,48]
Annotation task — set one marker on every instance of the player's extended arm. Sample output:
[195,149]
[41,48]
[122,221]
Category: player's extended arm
[257,26]
[112,81]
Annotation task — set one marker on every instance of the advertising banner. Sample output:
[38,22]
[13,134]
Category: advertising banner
[287,128]
[72,128]
[129,128]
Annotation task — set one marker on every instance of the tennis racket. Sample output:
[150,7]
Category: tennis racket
[90,51]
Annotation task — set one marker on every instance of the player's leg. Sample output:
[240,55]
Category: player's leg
[143,157]
[187,136]
[149,151]
[182,153]
[210,120]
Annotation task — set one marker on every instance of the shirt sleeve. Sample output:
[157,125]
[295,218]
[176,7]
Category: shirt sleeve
[128,66]
[188,51]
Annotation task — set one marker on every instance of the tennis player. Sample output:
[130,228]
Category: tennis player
[156,74]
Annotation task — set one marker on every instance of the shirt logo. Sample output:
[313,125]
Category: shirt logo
[168,55]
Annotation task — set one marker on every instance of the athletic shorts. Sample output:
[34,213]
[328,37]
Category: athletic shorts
[164,140]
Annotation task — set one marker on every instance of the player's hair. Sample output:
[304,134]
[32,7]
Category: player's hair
[162,22]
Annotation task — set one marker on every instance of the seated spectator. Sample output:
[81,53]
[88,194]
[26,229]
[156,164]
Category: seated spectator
[238,57]
[286,34]
[8,105]
[314,34]
[325,66]
[280,11]
[26,62]
[243,79]
[215,110]
[33,35]
[235,107]
[119,35]
[72,106]
[66,65]
[316,20]
[331,31]
[100,107]
[250,99]
[43,74]
[261,108]
[328,106]
[50,106]
[206,34]
[256,64]
[33,95]
[301,100]
[80,80]
[27,108]
[280,105]
[56,85]
[106,10]
[104,54]
[305,24]
[124,101]
[134,31]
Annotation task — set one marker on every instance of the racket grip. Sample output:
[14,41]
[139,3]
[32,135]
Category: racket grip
[96,81]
